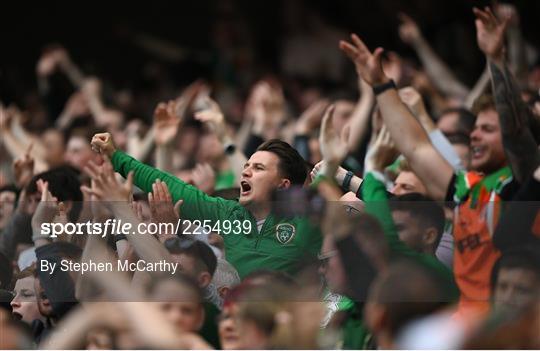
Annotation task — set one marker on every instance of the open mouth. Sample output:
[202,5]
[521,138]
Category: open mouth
[17,316]
[245,188]
[478,151]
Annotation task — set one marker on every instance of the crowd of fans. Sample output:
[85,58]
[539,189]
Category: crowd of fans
[408,217]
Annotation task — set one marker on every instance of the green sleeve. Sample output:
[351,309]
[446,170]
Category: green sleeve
[197,204]
[376,204]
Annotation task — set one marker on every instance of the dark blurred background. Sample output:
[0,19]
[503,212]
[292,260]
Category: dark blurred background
[231,41]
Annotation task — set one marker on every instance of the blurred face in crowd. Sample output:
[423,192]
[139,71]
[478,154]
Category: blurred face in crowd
[448,123]
[24,304]
[188,140]
[516,288]
[486,143]
[406,183]
[44,305]
[412,233]
[53,141]
[331,267]
[181,306]
[260,177]
[193,269]
[210,149]
[7,206]
[78,152]
[229,337]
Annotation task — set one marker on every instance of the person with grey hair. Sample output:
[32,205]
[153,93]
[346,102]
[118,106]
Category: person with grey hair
[225,278]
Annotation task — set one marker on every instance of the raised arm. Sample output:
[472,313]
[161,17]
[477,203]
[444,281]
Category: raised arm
[197,205]
[360,117]
[479,87]
[437,70]
[519,144]
[517,50]
[414,102]
[409,136]
[166,124]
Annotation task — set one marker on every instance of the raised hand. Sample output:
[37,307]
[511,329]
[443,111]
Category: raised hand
[46,65]
[213,117]
[166,123]
[412,98]
[46,211]
[106,186]
[23,168]
[99,212]
[340,173]
[204,178]
[311,118]
[333,148]
[103,144]
[368,64]
[162,209]
[382,153]
[189,96]
[408,29]
[266,106]
[508,11]
[490,33]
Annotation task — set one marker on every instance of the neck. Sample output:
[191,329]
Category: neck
[259,211]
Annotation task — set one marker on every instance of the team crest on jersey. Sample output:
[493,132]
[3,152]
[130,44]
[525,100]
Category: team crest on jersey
[285,232]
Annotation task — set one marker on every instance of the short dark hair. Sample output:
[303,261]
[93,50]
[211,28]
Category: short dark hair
[459,139]
[483,103]
[64,184]
[291,164]
[466,119]
[428,212]
[524,257]
[10,188]
[196,249]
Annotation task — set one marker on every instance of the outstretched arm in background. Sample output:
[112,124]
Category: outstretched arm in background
[409,136]
[437,70]
[519,144]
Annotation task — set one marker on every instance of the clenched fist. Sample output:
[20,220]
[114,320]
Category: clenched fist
[103,143]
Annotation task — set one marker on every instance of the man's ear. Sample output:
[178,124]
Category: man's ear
[223,291]
[285,183]
[204,279]
[430,236]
